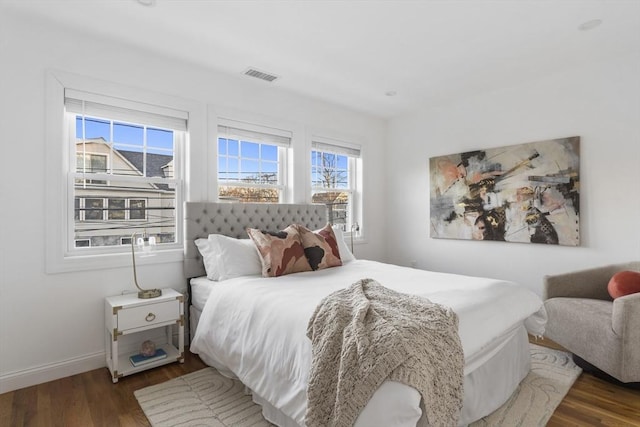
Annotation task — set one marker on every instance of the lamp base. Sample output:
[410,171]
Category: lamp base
[149,293]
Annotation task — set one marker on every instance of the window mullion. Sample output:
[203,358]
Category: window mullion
[253,185]
[123,178]
[144,151]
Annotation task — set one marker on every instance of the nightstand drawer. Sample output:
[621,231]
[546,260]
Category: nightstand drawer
[147,315]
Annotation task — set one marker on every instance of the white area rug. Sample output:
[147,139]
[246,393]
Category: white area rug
[539,394]
[206,398]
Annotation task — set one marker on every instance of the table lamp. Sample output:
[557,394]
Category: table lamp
[145,243]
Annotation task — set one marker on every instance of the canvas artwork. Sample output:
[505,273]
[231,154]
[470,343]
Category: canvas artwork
[526,193]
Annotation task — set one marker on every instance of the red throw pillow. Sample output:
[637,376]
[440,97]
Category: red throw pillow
[624,283]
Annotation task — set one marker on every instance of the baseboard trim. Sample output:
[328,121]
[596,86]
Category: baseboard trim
[42,374]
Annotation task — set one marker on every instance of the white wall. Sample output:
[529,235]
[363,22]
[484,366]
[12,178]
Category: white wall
[599,103]
[51,325]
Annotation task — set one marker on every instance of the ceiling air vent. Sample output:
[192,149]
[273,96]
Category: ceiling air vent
[252,72]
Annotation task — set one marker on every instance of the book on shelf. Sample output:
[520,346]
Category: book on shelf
[139,359]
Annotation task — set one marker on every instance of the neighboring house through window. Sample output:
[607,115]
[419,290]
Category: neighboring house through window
[252,162]
[122,156]
[335,168]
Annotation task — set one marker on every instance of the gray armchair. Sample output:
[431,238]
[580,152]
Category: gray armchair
[585,320]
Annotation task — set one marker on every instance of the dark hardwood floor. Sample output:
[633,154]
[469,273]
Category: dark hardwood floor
[595,402]
[90,399]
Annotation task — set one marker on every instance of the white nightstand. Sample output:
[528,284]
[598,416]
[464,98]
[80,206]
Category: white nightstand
[128,314]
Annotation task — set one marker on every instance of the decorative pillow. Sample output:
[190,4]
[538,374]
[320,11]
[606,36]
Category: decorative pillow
[345,254]
[209,258]
[624,283]
[320,247]
[281,252]
[236,257]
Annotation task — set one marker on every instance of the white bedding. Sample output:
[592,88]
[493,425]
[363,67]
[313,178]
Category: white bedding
[254,328]
[200,289]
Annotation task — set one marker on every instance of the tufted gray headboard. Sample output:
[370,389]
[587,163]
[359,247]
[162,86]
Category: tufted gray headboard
[232,219]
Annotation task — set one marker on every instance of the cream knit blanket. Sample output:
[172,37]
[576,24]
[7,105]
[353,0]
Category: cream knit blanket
[366,334]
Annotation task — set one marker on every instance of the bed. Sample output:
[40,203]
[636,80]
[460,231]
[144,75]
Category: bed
[254,328]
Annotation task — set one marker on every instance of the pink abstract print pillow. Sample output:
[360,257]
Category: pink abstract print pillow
[281,252]
[320,247]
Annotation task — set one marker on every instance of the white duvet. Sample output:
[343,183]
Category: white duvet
[254,328]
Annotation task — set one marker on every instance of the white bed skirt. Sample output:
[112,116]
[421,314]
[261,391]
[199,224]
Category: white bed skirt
[194,318]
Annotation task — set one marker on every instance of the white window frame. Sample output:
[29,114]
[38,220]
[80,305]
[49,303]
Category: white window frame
[353,152]
[260,134]
[60,195]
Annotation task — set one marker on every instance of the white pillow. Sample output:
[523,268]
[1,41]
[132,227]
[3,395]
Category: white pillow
[209,258]
[236,257]
[345,253]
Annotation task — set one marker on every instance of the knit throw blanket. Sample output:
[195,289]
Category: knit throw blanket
[366,334]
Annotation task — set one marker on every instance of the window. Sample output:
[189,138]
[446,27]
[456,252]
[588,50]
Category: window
[94,163]
[87,209]
[252,163]
[127,175]
[334,180]
[106,143]
[137,209]
[83,243]
[116,209]
[93,209]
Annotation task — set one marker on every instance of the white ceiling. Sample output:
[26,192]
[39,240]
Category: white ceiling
[353,52]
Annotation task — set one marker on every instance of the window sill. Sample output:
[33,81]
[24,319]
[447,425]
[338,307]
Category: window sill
[106,261]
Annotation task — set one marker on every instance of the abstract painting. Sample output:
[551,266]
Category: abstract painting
[527,193]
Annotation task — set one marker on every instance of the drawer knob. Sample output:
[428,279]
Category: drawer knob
[150,317]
